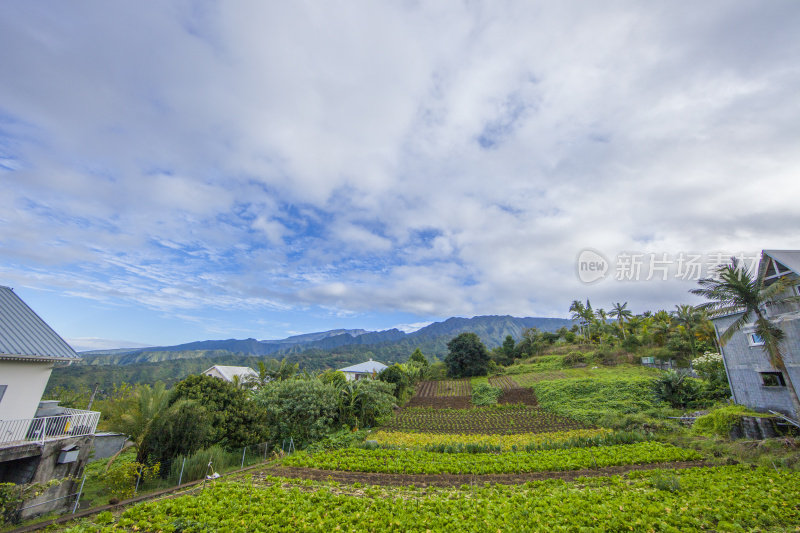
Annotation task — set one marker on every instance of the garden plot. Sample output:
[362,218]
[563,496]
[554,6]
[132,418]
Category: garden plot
[452,394]
[488,420]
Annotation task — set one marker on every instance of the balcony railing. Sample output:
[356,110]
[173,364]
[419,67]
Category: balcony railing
[73,423]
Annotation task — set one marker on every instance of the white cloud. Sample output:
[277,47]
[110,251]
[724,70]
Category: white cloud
[437,160]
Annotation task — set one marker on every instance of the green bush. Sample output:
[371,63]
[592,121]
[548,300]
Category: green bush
[574,359]
[484,394]
[305,410]
[677,389]
[720,422]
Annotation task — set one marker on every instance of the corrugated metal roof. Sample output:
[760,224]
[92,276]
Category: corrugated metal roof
[367,367]
[24,333]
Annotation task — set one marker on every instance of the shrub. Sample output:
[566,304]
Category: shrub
[120,478]
[484,394]
[574,359]
[719,422]
[305,410]
[677,389]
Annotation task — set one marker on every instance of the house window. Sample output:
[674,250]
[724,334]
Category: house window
[2,391]
[755,339]
[772,379]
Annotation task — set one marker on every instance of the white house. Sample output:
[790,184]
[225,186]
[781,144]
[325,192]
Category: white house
[229,372]
[363,370]
[28,350]
[39,440]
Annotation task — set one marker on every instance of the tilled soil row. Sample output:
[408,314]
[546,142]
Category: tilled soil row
[456,480]
[441,402]
[518,395]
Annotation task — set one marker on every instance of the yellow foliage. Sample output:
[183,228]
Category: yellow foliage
[420,440]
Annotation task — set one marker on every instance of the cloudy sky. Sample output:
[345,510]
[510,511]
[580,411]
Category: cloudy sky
[191,170]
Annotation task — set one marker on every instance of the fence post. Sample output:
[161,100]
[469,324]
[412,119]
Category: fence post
[44,429]
[180,477]
[266,446]
[80,491]
[138,479]
[244,451]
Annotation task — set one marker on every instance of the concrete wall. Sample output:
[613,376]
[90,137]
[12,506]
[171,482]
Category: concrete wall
[107,444]
[38,464]
[25,383]
[744,364]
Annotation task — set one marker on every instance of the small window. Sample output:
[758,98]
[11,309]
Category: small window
[772,379]
[755,339]
[2,391]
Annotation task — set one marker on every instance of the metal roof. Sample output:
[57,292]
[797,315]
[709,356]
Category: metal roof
[229,371]
[788,258]
[367,367]
[24,335]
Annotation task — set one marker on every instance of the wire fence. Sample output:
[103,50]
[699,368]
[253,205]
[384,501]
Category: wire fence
[204,464]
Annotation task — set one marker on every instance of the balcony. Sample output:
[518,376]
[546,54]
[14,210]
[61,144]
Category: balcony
[73,423]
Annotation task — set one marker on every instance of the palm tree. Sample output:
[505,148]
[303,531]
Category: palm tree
[737,290]
[619,311]
[134,416]
[689,318]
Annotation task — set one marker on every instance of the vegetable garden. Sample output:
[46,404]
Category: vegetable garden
[657,500]
[501,420]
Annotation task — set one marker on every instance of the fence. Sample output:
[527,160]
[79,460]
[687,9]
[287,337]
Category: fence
[204,464]
[74,423]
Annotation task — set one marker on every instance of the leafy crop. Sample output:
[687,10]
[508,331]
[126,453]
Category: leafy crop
[423,462]
[505,442]
[731,498]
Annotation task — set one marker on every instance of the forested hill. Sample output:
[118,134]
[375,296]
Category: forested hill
[432,339]
[313,351]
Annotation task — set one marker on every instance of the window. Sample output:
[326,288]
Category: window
[772,379]
[2,391]
[755,339]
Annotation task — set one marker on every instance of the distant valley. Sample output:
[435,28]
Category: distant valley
[313,351]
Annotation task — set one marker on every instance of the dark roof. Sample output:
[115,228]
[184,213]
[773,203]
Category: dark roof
[23,334]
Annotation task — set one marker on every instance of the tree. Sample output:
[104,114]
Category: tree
[182,429]
[236,420]
[135,412]
[619,311]
[303,409]
[419,357]
[738,290]
[398,378]
[467,356]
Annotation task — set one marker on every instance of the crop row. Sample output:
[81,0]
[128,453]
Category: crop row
[423,462]
[454,387]
[505,442]
[488,420]
[503,382]
[731,498]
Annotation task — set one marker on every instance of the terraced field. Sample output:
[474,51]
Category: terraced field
[448,394]
[487,420]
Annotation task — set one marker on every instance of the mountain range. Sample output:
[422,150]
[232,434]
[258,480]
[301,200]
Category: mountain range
[313,351]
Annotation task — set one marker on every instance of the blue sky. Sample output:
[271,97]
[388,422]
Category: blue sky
[200,170]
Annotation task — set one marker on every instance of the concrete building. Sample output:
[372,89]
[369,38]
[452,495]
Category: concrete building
[755,382]
[39,441]
[362,370]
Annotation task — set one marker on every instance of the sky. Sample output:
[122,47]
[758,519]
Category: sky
[183,171]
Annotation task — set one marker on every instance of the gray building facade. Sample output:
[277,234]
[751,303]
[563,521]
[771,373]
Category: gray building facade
[755,382]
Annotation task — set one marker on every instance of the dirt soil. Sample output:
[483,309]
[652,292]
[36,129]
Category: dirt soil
[456,480]
[518,395]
